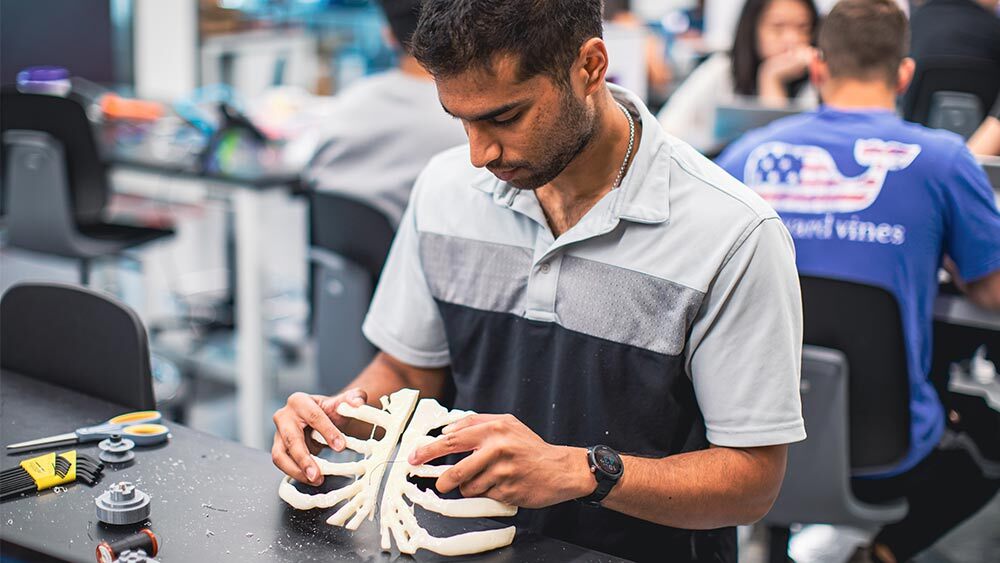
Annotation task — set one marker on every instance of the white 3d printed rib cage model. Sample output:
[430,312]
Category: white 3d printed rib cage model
[396,518]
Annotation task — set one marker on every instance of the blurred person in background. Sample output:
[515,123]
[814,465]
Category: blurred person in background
[920,202]
[769,60]
[986,140]
[969,29]
[658,68]
[384,129]
[965,28]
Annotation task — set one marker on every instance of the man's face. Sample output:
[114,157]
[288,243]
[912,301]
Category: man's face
[524,132]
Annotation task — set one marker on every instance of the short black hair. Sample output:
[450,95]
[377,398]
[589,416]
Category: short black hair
[402,16]
[865,40]
[544,36]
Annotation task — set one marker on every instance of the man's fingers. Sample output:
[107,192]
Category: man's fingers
[477,486]
[353,397]
[471,420]
[316,418]
[356,397]
[473,468]
[293,441]
[465,440]
[286,464]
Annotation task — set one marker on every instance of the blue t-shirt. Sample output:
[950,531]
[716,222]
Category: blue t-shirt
[870,198]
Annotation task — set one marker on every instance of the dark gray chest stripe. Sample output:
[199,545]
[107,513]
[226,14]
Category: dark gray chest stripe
[481,275]
[593,298]
[625,306]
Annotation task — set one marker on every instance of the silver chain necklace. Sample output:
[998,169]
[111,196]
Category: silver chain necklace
[631,144]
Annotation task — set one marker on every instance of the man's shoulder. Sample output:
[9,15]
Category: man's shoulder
[703,188]
[803,130]
[448,176]
[451,164]
[938,139]
[376,93]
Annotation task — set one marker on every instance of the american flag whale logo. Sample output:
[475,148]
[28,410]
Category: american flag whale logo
[805,179]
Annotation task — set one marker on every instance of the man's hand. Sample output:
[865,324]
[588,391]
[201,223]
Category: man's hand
[293,447]
[984,292]
[509,463]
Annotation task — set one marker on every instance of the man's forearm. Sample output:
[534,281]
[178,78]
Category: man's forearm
[706,489]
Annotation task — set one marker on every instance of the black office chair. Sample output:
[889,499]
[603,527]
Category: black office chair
[56,186]
[76,338]
[855,402]
[952,93]
[349,241]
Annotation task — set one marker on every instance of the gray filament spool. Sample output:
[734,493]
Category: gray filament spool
[116,449]
[121,504]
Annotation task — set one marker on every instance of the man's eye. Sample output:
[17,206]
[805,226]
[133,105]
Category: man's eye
[506,120]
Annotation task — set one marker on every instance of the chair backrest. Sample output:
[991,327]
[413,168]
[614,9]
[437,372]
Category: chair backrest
[79,339]
[978,77]
[350,228]
[40,214]
[863,322]
[349,242]
[958,112]
[817,485]
[66,121]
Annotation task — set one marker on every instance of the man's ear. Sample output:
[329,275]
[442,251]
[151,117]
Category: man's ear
[819,71]
[904,76]
[591,66]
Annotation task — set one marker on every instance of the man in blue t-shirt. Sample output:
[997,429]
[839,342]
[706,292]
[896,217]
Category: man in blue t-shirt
[870,198]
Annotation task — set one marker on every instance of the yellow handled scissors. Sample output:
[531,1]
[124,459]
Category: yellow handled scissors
[141,427]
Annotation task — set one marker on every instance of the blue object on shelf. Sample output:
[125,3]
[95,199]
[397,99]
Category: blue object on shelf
[51,80]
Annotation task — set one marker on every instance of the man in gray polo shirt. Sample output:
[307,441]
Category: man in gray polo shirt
[627,313]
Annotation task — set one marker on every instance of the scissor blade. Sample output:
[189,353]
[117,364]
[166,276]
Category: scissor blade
[51,441]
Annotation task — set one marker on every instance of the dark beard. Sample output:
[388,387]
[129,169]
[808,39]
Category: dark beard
[558,152]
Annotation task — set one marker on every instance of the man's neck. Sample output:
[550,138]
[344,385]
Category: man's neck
[849,94]
[409,66]
[590,175]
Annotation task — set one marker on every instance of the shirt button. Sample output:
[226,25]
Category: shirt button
[544,268]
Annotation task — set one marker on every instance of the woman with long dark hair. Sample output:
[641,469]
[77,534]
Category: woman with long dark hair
[769,61]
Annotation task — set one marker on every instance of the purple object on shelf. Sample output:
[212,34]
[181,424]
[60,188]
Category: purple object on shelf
[51,80]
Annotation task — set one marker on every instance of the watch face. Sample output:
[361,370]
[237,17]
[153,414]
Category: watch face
[607,460]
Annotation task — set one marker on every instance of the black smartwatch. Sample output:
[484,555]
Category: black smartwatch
[607,467]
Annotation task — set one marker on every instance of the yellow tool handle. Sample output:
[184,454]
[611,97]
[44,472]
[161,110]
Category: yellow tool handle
[135,417]
[146,434]
[42,469]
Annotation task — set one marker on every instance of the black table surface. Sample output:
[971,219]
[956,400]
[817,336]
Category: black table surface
[212,499]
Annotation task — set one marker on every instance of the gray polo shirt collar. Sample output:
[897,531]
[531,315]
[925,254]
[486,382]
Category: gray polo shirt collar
[643,196]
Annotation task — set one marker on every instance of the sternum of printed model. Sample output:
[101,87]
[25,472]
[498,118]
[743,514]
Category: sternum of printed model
[368,472]
[397,517]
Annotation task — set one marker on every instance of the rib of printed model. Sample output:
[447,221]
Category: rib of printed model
[397,517]
[363,492]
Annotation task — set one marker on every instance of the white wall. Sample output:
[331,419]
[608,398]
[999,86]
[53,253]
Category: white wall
[166,45]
